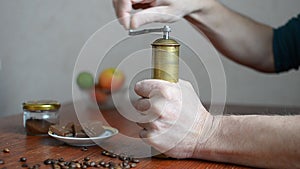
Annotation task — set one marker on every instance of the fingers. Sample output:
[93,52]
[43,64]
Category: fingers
[123,9]
[150,87]
[142,104]
[153,11]
[162,14]
[153,107]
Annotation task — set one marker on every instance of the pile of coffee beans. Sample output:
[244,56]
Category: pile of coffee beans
[115,161]
[125,162]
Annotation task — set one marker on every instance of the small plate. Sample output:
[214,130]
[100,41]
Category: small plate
[90,141]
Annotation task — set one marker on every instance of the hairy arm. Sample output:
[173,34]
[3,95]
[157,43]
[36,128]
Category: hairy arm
[183,128]
[237,37]
[261,141]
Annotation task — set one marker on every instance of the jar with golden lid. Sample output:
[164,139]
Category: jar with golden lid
[39,115]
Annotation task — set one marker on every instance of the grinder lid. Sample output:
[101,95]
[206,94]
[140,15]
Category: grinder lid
[165,42]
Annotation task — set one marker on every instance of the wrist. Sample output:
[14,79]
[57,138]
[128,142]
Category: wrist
[204,6]
[208,135]
[207,15]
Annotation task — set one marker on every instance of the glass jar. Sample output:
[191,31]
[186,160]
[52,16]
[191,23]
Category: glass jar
[39,115]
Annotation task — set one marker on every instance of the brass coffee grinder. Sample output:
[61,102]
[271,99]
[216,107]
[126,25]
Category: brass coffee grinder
[165,55]
[165,61]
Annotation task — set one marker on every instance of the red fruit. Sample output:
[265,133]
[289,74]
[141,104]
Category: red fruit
[99,96]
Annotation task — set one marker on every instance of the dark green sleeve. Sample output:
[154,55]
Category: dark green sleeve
[286,45]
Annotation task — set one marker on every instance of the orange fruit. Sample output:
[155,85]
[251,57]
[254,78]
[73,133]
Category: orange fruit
[111,79]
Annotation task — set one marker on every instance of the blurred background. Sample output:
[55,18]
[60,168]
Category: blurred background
[41,40]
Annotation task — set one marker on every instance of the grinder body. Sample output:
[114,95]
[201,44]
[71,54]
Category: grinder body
[165,59]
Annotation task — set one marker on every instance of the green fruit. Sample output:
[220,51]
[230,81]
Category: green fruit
[85,80]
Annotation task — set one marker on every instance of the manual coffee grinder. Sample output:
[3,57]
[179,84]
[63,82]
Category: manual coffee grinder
[165,55]
[165,61]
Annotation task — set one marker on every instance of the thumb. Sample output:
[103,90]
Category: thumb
[155,14]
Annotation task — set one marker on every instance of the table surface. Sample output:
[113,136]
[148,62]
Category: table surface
[39,148]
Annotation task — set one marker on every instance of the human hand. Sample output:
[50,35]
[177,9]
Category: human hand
[178,117]
[154,11]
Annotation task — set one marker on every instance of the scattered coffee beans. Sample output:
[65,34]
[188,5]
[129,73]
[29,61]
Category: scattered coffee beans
[36,166]
[24,165]
[86,159]
[61,160]
[23,159]
[84,149]
[48,162]
[132,165]
[126,162]
[6,150]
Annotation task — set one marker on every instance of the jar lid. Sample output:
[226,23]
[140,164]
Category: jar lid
[41,105]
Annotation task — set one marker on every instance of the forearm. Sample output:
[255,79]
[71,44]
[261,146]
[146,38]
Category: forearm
[239,38]
[261,141]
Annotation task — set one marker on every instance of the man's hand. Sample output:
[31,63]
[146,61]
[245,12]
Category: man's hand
[153,11]
[177,116]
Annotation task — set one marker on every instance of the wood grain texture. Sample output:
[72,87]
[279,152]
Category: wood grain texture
[39,148]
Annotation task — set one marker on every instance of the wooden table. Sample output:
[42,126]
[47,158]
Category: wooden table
[39,148]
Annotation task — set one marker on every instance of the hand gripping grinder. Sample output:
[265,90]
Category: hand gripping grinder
[165,60]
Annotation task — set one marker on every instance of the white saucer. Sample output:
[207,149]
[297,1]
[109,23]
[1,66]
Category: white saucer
[89,141]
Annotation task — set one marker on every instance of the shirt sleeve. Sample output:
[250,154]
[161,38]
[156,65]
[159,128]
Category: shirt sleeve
[286,45]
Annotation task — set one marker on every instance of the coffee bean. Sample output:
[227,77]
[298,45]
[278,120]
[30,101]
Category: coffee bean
[134,160]
[84,149]
[24,165]
[106,165]
[93,163]
[123,157]
[106,153]
[86,159]
[86,163]
[36,166]
[126,167]
[48,162]
[133,165]
[112,164]
[55,166]
[23,159]
[78,165]
[72,165]
[118,167]
[6,150]
[125,164]
[62,164]
[61,160]
[113,155]
[67,163]
[102,163]
[1,162]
